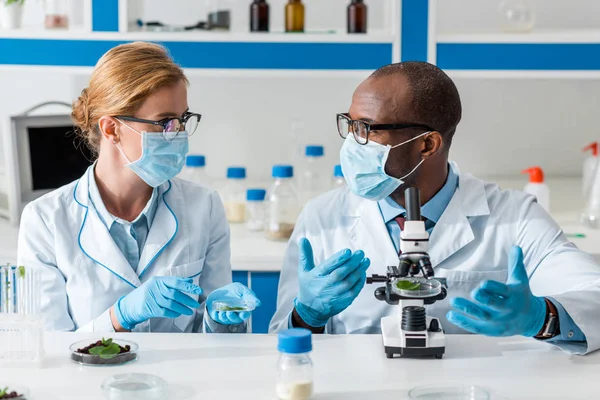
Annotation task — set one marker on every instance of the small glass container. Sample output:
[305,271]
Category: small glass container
[255,209]
[295,367]
[312,182]
[294,16]
[259,16]
[98,361]
[57,14]
[233,305]
[338,178]
[517,16]
[282,204]
[135,386]
[416,287]
[449,392]
[233,194]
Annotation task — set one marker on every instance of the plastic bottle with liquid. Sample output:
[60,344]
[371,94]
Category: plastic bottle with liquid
[537,187]
[295,366]
[259,16]
[338,178]
[294,16]
[195,170]
[589,167]
[233,194]
[312,181]
[357,17]
[282,204]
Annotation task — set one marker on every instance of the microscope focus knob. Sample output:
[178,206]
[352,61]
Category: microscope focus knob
[434,325]
[380,293]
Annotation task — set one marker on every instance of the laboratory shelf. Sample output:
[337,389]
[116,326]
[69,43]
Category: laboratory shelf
[561,54]
[79,49]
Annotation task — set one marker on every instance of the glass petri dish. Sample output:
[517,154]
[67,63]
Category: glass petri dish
[416,287]
[135,386]
[233,305]
[97,361]
[23,393]
[449,392]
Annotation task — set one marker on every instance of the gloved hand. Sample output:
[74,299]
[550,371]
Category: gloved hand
[330,288]
[159,297]
[234,292]
[502,309]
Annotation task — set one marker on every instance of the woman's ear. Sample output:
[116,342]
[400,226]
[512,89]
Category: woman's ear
[109,129]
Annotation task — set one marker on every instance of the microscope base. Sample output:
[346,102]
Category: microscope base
[411,344]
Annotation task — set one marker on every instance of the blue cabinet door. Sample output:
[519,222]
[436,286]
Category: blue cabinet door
[264,284]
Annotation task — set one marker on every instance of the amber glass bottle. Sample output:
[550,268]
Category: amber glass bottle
[259,16]
[357,17]
[294,16]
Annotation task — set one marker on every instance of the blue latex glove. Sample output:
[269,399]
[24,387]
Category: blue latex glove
[502,309]
[159,297]
[330,288]
[233,293]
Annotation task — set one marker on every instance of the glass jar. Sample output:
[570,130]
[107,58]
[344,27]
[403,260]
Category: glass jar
[233,194]
[57,14]
[338,178]
[282,204]
[255,209]
[294,16]
[517,16]
[312,181]
[195,170]
[295,367]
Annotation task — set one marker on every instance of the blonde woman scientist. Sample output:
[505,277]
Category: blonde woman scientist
[128,246]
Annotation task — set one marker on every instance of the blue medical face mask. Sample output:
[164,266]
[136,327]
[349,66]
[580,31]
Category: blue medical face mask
[364,168]
[161,159]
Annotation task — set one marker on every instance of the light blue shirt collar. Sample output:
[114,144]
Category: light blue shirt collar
[432,210]
[107,218]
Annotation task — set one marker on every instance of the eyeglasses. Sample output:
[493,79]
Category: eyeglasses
[361,129]
[171,126]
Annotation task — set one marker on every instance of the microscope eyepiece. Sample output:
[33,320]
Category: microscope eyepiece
[413,204]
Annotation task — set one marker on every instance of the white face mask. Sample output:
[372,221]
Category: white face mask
[364,168]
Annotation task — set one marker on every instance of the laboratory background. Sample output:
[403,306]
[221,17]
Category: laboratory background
[528,73]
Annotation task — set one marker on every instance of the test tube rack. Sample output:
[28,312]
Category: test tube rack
[21,323]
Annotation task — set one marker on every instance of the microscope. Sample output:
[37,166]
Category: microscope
[411,285]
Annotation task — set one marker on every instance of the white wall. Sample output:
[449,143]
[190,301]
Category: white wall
[511,124]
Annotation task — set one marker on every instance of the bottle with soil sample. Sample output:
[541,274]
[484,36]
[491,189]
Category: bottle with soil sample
[295,367]
[282,204]
[233,194]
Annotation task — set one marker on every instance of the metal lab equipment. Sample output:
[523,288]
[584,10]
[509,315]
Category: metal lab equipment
[21,324]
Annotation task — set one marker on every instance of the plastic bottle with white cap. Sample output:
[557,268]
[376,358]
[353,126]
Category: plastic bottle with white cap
[537,187]
[589,167]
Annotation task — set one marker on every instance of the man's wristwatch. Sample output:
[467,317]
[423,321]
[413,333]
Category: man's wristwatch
[551,326]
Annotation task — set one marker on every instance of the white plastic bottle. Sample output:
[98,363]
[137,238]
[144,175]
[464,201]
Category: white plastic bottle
[589,167]
[537,187]
[312,180]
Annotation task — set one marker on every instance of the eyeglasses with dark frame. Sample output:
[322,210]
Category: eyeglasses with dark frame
[362,129]
[172,125]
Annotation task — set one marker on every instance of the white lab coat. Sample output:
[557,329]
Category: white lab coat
[469,244]
[83,272]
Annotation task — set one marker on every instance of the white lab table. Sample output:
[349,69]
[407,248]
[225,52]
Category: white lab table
[347,367]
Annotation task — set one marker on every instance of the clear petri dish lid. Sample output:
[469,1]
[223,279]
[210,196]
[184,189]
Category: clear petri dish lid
[7,389]
[416,287]
[233,305]
[449,392]
[135,386]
